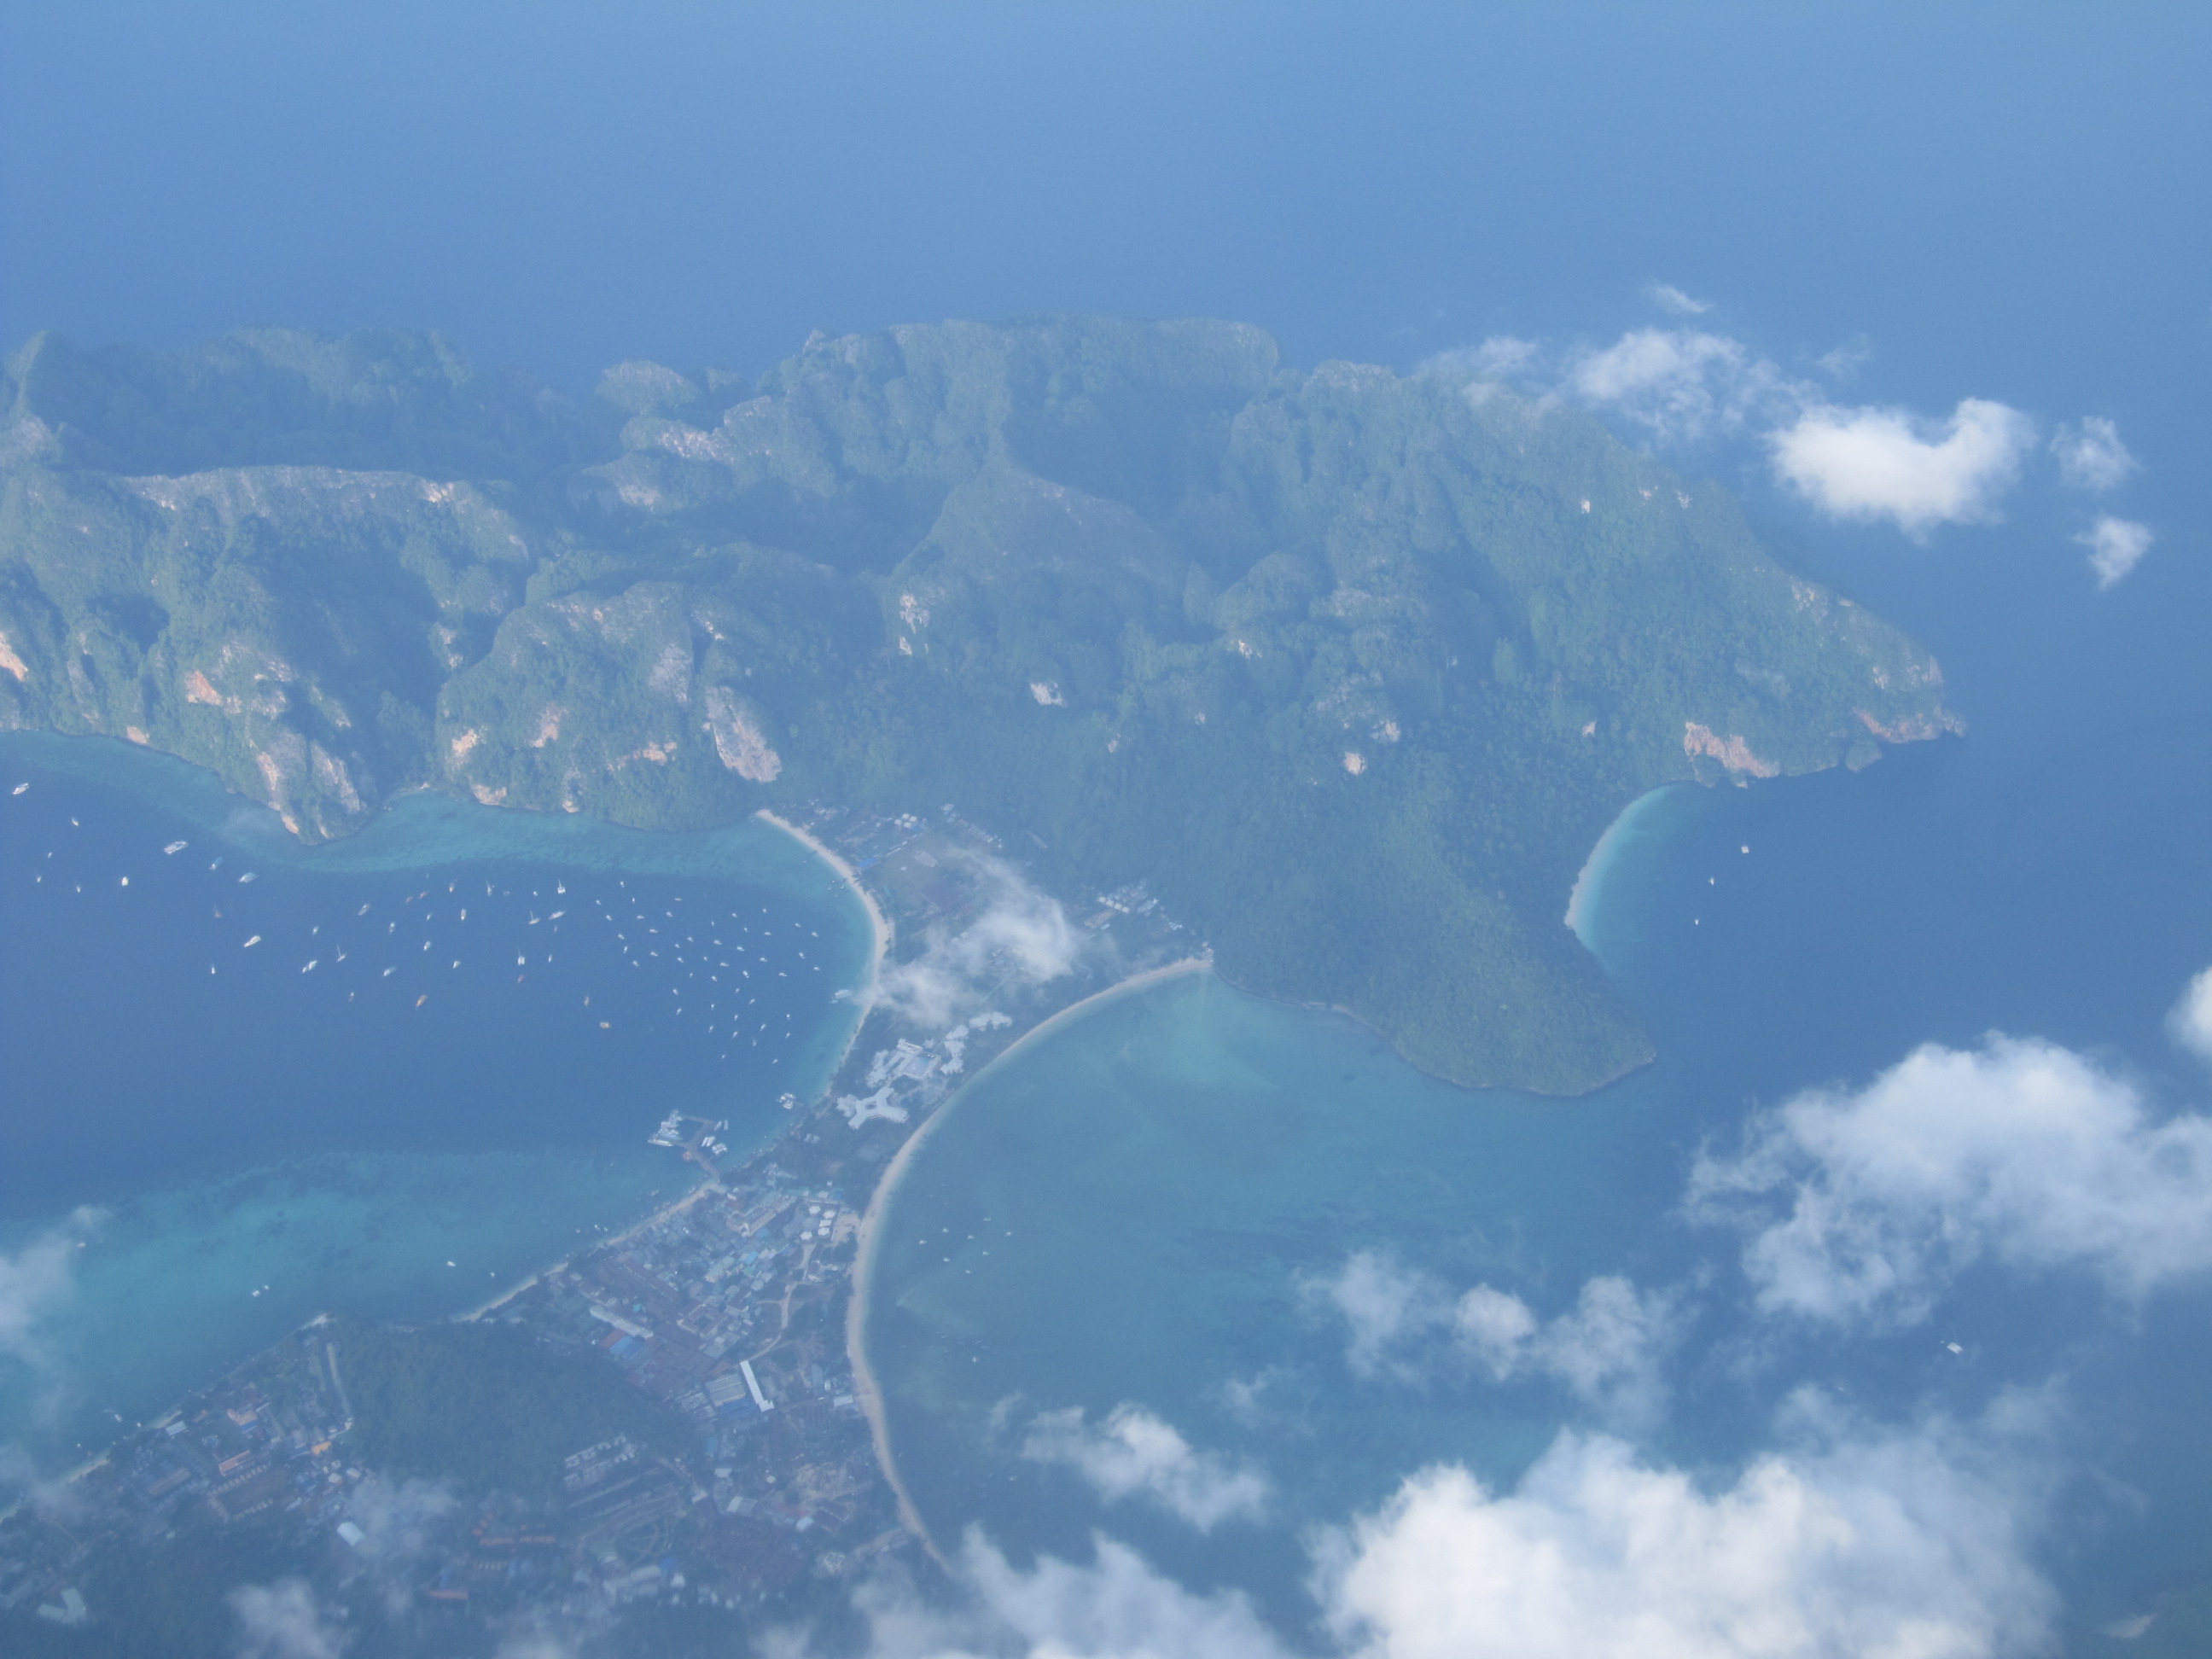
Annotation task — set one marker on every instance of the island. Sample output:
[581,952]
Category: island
[1348,668]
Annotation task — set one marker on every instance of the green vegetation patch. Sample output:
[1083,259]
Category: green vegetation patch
[486,1406]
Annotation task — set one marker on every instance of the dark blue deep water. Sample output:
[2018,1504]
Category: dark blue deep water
[287,1078]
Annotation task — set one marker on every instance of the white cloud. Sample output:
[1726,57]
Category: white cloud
[1500,357]
[2116,547]
[2091,455]
[1262,1402]
[1667,297]
[1682,384]
[1608,1350]
[283,1621]
[533,1644]
[1385,1304]
[1022,940]
[1117,1607]
[1847,1539]
[1864,1205]
[1134,1453]
[1686,386]
[1899,1545]
[396,1519]
[1497,1329]
[1886,462]
[1841,362]
[2191,1022]
[57,1498]
[1873,1545]
[35,1280]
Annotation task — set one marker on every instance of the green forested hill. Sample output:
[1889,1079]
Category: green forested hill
[1353,667]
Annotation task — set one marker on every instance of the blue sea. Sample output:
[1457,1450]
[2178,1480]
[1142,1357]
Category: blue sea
[1134,1209]
[246,1081]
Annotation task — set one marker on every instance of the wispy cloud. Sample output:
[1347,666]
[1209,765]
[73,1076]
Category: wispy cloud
[398,1519]
[1861,1206]
[1118,1607]
[1385,1306]
[2116,547]
[1608,1350]
[2190,1020]
[284,1620]
[36,1280]
[2091,455]
[1500,357]
[1841,362]
[1023,938]
[1682,385]
[1686,387]
[1131,1453]
[1667,297]
[534,1643]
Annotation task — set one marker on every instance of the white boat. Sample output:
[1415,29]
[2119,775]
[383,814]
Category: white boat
[176,847]
[19,788]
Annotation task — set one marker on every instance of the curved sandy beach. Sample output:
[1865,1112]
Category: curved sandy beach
[1589,880]
[865,1384]
[850,877]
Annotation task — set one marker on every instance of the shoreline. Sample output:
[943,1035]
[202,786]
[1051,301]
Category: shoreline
[850,877]
[1589,891]
[705,1184]
[864,996]
[865,1384]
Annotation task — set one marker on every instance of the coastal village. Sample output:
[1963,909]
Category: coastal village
[755,1485]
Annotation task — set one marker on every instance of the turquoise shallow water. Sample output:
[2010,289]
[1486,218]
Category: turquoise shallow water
[1128,1210]
[431,1071]
[1125,1210]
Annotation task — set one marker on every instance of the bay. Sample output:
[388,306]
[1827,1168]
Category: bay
[1162,1184]
[246,1081]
